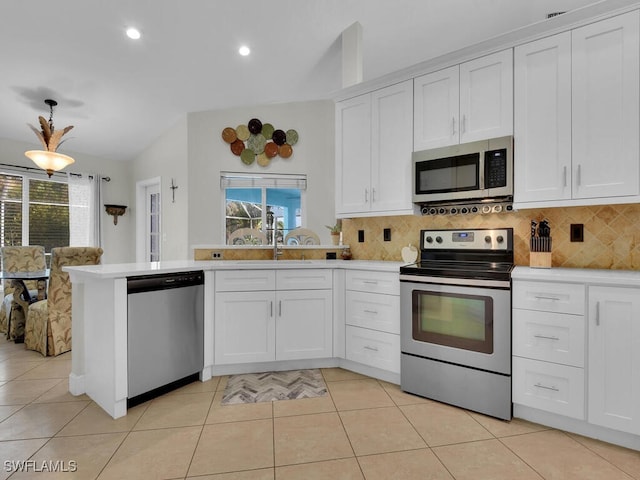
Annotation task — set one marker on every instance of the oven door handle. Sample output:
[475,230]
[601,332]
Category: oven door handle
[470,282]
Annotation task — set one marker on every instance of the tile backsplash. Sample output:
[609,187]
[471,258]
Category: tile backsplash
[611,234]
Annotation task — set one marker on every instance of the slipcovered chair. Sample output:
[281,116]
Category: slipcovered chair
[247,236]
[19,259]
[302,236]
[48,326]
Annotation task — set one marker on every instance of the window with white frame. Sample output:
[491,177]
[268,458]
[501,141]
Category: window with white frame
[270,203]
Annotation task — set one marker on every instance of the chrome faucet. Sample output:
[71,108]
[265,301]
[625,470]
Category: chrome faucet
[276,250]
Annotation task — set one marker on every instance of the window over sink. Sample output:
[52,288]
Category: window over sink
[257,207]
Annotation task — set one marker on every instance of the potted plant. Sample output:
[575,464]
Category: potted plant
[335,232]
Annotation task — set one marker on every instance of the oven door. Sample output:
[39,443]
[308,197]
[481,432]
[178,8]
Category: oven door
[464,325]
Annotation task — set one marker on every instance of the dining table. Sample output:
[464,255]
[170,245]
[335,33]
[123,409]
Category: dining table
[22,298]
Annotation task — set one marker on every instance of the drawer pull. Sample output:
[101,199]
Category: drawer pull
[545,297]
[375,312]
[547,337]
[371,282]
[545,387]
[373,349]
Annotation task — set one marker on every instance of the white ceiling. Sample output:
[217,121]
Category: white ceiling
[121,95]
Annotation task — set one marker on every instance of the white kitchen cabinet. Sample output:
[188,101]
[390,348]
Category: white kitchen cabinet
[614,358]
[542,119]
[244,327]
[548,338]
[576,115]
[267,315]
[464,103]
[372,318]
[373,153]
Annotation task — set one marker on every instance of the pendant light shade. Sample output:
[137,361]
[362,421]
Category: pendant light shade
[49,159]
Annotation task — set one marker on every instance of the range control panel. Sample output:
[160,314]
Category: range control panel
[474,239]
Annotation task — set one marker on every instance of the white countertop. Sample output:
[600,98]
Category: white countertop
[122,270]
[629,278]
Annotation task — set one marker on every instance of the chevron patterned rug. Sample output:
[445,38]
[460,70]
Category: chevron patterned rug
[271,386]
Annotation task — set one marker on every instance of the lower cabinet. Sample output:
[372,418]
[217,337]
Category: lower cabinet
[582,364]
[614,358]
[372,318]
[264,323]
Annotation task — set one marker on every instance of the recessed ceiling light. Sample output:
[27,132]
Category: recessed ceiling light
[244,50]
[133,33]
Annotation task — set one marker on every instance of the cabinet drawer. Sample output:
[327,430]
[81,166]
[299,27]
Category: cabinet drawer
[552,337]
[549,296]
[245,280]
[549,387]
[304,279]
[373,282]
[374,311]
[376,349]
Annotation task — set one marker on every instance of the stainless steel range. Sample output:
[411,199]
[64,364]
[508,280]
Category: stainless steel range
[455,316]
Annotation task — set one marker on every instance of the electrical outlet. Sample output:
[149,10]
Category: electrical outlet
[216,255]
[577,232]
[386,234]
[360,236]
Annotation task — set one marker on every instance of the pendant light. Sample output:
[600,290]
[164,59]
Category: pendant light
[48,159]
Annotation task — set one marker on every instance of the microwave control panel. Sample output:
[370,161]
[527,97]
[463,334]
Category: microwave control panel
[495,168]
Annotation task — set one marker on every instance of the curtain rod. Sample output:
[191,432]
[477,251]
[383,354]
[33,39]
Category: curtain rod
[106,179]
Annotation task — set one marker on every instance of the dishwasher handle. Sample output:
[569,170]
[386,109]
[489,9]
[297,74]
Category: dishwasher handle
[165,281]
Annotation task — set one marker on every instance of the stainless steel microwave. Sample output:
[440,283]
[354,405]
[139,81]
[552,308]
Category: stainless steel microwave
[480,170]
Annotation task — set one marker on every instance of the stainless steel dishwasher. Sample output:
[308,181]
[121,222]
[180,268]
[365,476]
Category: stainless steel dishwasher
[165,333]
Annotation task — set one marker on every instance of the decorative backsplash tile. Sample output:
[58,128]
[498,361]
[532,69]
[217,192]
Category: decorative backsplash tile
[611,234]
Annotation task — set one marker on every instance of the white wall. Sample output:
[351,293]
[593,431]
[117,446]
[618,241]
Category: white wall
[116,238]
[167,158]
[313,155]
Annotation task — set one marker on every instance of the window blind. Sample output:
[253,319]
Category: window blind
[240,180]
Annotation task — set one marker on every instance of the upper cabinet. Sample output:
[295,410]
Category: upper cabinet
[373,153]
[464,103]
[576,117]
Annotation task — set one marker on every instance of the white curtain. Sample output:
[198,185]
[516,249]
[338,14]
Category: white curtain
[85,199]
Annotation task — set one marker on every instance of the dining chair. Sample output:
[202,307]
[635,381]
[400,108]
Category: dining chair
[48,323]
[247,236]
[28,258]
[302,236]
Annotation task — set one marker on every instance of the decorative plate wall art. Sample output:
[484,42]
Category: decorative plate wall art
[259,142]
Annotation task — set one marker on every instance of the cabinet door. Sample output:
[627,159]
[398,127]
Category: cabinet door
[614,358]
[304,324]
[392,144]
[436,98]
[606,108]
[542,119]
[353,155]
[486,97]
[244,327]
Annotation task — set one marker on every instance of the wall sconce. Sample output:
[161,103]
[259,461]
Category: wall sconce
[116,211]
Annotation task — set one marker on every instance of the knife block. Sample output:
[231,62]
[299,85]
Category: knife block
[540,259]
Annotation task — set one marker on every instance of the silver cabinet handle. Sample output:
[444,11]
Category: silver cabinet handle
[370,282]
[598,314]
[579,176]
[371,311]
[366,195]
[279,308]
[545,387]
[453,126]
[564,176]
[545,297]
[373,195]
[271,308]
[373,349]
[463,124]
[547,337]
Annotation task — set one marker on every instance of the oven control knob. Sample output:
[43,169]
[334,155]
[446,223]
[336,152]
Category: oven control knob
[442,211]
[487,239]
[464,210]
[429,240]
[433,211]
[453,210]
[500,239]
[439,239]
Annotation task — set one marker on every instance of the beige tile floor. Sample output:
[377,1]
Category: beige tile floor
[364,429]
